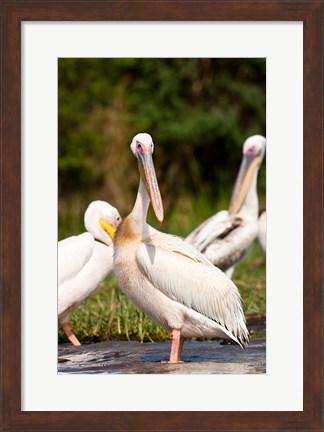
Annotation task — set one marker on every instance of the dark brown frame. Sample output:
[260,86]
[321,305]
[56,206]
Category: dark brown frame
[13,13]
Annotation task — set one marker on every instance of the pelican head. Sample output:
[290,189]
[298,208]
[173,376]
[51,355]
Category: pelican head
[101,220]
[253,153]
[142,147]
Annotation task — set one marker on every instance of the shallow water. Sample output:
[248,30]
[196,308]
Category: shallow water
[207,357]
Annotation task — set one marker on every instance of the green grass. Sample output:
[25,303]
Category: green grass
[109,315]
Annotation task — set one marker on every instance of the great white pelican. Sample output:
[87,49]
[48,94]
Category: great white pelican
[166,277]
[227,237]
[84,262]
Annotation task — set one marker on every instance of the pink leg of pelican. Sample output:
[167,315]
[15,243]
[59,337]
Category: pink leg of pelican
[176,346]
[69,333]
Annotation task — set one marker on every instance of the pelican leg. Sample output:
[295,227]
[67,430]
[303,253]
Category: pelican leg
[176,346]
[69,333]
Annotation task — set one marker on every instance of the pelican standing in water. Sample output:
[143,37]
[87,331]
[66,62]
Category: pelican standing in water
[262,230]
[84,262]
[227,237]
[166,277]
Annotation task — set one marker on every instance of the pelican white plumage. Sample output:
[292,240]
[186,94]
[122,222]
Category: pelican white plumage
[168,278]
[262,230]
[84,262]
[227,237]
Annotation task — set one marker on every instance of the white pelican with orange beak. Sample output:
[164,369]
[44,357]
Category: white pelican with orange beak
[227,237]
[83,262]
[168,278]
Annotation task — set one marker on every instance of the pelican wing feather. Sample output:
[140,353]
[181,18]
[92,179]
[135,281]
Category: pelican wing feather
[73,254]
[217,227]
[183,274]
[86,269]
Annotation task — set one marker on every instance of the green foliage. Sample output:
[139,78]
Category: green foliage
[199,112]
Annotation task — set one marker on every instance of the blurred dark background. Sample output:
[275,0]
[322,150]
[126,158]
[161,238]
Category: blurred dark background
[198,111]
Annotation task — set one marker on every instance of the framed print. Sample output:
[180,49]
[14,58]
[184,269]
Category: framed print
[28,215]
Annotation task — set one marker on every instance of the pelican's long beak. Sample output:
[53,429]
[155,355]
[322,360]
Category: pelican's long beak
[249,165]
[147,171]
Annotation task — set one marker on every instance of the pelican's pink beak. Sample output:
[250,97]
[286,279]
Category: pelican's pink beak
[147,171]
[250,162]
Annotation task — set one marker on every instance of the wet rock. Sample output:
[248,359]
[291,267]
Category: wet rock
[205,357]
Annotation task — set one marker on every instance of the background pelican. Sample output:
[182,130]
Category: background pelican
[226,238]
[167,277]
[83,262]
[262,230]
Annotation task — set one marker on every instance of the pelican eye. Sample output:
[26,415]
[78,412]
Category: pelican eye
[252,151]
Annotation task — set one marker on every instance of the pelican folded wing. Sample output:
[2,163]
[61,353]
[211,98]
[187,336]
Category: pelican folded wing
[201,287]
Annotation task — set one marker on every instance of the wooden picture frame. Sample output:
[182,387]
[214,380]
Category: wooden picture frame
[13,13]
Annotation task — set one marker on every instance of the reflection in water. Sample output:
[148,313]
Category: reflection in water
[208,357]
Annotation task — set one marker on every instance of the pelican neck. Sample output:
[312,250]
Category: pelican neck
[251,203]
[140,209]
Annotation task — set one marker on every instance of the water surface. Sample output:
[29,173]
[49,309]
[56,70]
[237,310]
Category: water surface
[131,357]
